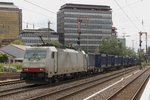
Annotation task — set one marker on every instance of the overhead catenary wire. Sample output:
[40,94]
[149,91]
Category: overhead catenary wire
[30,10]
[140,21]
[130,4]
[127,15]
[40,7]
[125,6]
[114,0]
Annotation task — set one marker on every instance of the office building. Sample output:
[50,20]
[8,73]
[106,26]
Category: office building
[31,36]
[87,23]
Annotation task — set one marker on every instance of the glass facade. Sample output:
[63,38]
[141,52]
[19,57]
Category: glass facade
[31,36]
[96,23]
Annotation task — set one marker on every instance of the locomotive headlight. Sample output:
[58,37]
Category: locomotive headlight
[41,69]
[25,69]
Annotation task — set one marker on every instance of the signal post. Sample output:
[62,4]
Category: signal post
[140,44]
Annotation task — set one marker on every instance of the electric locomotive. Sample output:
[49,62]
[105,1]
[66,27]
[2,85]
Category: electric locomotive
[45,64]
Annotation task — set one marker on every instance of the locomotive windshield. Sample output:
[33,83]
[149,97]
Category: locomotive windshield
[35,54]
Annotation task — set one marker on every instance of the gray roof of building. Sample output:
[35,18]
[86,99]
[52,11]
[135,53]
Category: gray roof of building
[35,31]
[85,7]
[22,47]
[8,5]
[16,51]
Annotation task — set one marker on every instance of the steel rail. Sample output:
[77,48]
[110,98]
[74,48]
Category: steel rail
[121,89]
[48,93]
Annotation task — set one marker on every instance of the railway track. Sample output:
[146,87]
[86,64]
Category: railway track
[4,76]
[132,90]
[11,82]
[70,90]
[16,90]
[139,92]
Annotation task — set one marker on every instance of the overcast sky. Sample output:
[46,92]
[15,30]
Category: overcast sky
[127,15]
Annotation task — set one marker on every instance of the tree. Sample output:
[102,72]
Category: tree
[141,54]
[3,57]
[114,46]
[55,43]
[111,46]
[130,52]
[18,42]
[148,50]
[59,45]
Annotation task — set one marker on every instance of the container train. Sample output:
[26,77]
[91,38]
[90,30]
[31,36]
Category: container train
[49,64]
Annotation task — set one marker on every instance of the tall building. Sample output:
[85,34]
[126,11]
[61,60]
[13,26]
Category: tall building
[10,22]
[87,23]
[31,36]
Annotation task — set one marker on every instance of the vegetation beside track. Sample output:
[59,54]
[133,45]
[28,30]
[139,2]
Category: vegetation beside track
[6,67]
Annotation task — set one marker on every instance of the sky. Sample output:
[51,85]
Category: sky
[129,16]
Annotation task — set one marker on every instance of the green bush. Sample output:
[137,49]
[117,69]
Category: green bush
[3,57]
[18,66]
[1,67]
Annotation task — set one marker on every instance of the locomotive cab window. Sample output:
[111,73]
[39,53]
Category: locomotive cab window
[33,54]
[52,55]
